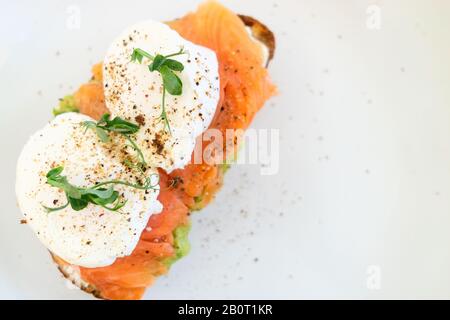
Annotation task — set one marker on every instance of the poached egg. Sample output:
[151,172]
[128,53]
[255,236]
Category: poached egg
[134,93]
[94,236]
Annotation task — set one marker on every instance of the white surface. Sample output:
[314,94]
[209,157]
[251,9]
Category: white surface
[365,160]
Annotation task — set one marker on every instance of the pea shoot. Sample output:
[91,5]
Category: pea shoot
[118,125]
[99,194]
[166,68]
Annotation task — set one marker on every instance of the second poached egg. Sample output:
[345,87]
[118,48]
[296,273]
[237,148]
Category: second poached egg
[134,93]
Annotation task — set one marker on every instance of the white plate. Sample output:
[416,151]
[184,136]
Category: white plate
[360,206]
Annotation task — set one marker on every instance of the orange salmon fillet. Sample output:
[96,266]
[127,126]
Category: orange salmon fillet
[245,86]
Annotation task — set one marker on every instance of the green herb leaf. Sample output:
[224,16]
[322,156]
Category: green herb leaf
[119,205]
[79,198]
[78,204]
[56,180]
[103,119]
[158,61]
[139,54]
[102,134]
[89,124]
[166,67]
[57,208]
[171,81]
[55,172]
[174,65]
[117,125]
[104,200]
[136,57]
[100,193]
[163,115]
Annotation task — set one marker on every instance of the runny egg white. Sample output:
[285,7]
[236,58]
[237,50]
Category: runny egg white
[135,94]
[94,236]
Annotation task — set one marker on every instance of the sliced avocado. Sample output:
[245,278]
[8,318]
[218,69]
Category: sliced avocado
[180,243]
[66,104]
[198,199]
[224,167]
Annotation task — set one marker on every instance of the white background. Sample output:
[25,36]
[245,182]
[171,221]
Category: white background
[364,179]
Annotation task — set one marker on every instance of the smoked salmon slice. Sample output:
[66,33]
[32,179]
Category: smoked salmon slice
[245,87]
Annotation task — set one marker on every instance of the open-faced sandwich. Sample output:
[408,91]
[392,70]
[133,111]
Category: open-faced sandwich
[109,183]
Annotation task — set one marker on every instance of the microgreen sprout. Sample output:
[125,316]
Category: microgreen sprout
[166,68]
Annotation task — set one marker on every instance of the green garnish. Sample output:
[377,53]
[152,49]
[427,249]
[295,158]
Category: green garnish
[66,104]
[166,68]
[105,125]
[79,198]
[120,126]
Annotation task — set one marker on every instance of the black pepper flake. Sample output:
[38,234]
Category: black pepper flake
[158,144]
[140,119]
[175,181]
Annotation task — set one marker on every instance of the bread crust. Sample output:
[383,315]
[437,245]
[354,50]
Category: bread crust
[73,275]
[260,32]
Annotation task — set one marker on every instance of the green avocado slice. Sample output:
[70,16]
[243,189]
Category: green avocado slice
[180,243]
[66,104]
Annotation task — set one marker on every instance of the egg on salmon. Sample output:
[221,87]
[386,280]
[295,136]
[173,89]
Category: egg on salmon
[93,236]
[134,93]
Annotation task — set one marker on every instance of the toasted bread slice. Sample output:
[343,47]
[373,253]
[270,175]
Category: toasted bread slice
[266,38]
[261,33]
